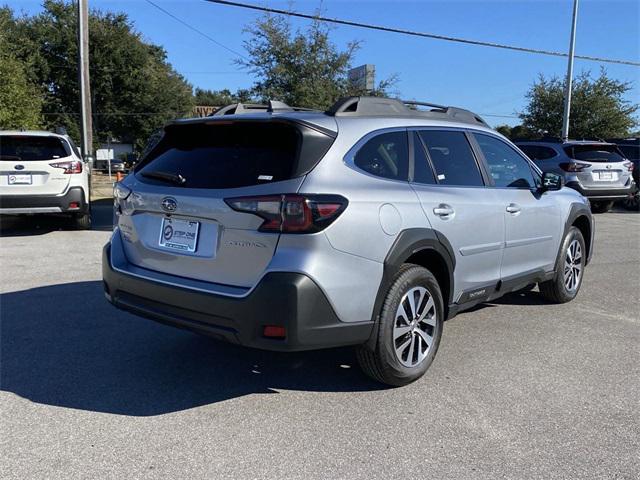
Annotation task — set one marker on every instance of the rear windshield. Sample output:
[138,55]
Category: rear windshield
[32,148]
[233,154]
[594,153]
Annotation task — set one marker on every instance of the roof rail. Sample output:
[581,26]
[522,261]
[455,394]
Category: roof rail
[383,107]
[274,106]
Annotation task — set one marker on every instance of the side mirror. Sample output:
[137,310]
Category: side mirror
[552,181]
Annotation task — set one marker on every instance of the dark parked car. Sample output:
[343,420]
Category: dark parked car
[630,148]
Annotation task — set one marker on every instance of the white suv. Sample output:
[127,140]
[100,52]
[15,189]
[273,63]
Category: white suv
[43,172]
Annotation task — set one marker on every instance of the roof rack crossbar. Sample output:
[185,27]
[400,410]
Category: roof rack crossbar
[273,106]
[424,104]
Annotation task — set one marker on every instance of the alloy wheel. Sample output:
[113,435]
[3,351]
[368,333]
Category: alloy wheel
[573,266]
[414,326]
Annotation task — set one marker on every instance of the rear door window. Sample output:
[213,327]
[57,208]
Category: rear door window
[594,153]
[385,155]
[233,154]
[452,158]
[29,148]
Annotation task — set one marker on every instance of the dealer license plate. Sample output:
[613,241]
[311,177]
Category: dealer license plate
[605,176]
[180,235]
[19,179]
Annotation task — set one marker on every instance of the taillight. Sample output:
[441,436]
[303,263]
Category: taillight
[69,167]
[291,213]
[629,165]
[574,166]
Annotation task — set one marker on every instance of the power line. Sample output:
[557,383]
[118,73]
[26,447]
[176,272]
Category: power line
[200,32]
[418,34]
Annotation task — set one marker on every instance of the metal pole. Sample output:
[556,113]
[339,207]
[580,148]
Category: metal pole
[109,156]
[567,90]
[83,77]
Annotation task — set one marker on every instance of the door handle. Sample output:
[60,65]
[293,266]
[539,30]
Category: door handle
[513,208]
[443,210]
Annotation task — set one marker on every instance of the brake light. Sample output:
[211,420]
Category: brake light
[69,167]
[629,165]
[291,213]
[574,166]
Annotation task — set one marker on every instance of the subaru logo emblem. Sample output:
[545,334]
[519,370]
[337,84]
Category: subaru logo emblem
[19,167]
[608,166]
[169,204]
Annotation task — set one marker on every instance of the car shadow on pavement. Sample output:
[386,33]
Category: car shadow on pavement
[64,345]
[29,225]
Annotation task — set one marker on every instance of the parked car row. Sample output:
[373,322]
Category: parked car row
[601,171]
[288,229]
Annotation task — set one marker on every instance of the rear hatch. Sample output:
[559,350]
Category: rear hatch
[600,165]
[175,219]
[27,165]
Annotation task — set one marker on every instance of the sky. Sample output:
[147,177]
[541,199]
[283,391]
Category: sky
[491,82]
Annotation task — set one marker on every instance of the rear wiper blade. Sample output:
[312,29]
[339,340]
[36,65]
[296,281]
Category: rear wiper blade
[165,176]
[10,157]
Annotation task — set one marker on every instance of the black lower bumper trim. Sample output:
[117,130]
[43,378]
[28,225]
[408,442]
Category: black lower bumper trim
[74,194]
[290,300]
[603,194]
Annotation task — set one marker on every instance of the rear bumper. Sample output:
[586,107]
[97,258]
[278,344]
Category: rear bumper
[290,300]
[603,194]
[17,204]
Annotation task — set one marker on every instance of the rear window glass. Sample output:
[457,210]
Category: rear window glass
[32,148]
[224,155]
[594,153]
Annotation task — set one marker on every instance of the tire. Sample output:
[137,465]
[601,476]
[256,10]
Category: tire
[562,288]
[82,221]
[393,366]
[601,207]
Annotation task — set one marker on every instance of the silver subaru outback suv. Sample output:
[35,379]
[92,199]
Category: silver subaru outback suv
[367,225]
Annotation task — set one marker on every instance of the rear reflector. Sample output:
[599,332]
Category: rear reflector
[74,205]
[274,331]
[292,213]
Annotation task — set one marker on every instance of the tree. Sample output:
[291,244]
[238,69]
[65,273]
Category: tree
[219,98]
[301,68]
[20,103]
[134,90]
[598,107]
[516,132]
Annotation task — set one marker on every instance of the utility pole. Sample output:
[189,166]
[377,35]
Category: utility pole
[83,78]
[568,82]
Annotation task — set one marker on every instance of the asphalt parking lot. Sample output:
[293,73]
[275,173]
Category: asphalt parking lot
[519,389]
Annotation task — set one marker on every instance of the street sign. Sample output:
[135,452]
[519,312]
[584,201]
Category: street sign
[363,77]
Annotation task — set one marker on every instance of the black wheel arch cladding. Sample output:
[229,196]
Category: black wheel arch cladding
[414,242]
